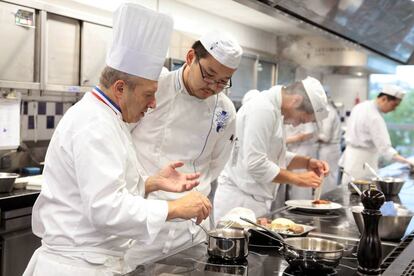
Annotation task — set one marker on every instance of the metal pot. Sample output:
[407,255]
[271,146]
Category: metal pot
[228,243]
[389,185]
[7,181]
[312,253]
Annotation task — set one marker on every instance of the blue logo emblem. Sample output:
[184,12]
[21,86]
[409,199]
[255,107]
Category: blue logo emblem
[221,120]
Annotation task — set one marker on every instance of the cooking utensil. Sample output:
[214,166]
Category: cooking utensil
[319,190]
[389,185]
[352,183]
[372,170]
[307,253]
[6,181]
[228,243]
[390,227]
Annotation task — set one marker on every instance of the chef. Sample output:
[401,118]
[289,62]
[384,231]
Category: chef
[259,166]
[367,137]
[193,122]
[92,203]
[329,138]
[301,140]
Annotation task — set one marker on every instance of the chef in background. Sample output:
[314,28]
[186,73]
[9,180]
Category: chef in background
[329,139]
[367,137]
[92,204]
[301,140]
[260,165]
[193,122]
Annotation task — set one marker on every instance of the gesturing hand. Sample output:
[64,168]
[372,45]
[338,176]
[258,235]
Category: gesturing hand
[170,180]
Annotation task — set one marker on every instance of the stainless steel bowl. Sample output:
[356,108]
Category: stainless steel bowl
[7,181]
[228,243]
[390,227]
[312,253]
[389,185]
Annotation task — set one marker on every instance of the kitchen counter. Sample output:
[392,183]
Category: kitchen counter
[337,225]
[18,199]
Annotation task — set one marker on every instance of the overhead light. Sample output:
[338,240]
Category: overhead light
[359,74]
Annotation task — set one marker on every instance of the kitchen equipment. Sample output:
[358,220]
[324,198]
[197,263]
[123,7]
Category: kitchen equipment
[389,185]
[228,243]
[307,253]
[319,190]
[7,181]
[371,169]
[355,185]
[307,205]
[390,227]
[369,253]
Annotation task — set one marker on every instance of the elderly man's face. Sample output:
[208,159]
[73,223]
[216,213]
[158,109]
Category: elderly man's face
[135,102]
[206,76]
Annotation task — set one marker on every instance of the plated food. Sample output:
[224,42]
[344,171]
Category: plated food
[282,225]
[307,205]
[321,201]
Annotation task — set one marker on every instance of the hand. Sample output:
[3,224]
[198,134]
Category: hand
[305,136]
[308,179]
[170,180]
[192,205]
[318,166]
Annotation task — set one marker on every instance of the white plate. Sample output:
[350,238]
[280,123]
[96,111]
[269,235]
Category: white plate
[306,204]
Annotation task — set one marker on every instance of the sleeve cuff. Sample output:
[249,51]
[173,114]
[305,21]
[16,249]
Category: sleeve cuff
[389,154]
[156,217]
[289,157]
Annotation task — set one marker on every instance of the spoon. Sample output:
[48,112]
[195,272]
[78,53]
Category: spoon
[372,170]
[319,190]
[201,226]
[352,182]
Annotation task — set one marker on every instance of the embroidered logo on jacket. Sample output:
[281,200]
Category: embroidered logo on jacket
[221,118]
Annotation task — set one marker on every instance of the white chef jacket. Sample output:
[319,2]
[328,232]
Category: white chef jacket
[198,132]
[329,147]
[259,153]
[92,197]
[366,139]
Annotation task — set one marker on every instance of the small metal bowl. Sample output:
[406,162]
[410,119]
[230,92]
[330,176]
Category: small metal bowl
[390,227]
[389,185]
[7,181]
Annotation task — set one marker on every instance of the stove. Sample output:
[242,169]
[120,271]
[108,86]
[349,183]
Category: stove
[262,260]
[401,259]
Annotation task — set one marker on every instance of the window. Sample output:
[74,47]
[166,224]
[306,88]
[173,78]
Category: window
[400,121]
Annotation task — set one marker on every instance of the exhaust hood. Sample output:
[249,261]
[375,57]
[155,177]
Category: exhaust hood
[385,27]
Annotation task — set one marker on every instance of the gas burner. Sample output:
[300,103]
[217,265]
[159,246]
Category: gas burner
[295,270]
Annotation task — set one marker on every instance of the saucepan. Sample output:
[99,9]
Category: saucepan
[227,243]
[389,185]
[306,252]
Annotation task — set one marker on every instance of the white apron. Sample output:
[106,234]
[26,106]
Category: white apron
[353,160]
[331,154]
[66,262]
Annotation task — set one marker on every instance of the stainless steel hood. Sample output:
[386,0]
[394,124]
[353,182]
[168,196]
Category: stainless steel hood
[385,27]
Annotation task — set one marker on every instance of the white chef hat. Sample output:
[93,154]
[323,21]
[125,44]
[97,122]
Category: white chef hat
[223,48]
[250,95]
[393,90]
[317,97]
[140,41]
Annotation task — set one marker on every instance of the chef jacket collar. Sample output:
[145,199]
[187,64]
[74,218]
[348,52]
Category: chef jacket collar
[100,95]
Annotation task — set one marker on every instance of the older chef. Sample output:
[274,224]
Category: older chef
[253,177]
[92,202]
[367,136]
[193,122]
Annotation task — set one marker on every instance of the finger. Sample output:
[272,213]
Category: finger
[190,185]
[199,220]
[176,164]
[192,176]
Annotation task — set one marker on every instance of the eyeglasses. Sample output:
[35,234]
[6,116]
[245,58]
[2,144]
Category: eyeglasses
[220,83]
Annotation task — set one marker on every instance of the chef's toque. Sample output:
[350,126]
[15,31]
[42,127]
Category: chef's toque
[140,41]
[317,97]
[393,90]
[223,48]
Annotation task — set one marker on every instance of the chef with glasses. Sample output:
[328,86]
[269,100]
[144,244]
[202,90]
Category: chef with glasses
[193,122]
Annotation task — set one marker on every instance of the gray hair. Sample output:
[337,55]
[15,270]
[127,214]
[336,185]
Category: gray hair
[110,75]
[297,88]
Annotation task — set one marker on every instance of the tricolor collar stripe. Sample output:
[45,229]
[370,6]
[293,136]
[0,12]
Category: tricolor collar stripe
[106,100]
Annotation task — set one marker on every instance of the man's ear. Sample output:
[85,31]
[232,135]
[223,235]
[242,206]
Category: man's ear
[191,56]
[118,88]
